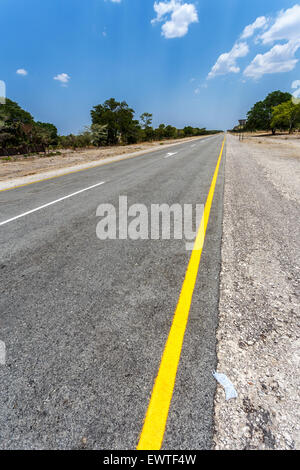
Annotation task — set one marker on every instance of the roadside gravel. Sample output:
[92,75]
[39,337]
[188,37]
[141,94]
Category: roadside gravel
[258,334]
[279,160]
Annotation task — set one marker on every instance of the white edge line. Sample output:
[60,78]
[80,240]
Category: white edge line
[50,203]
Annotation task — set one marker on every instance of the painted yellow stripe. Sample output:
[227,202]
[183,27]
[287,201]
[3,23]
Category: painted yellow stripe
[157,414]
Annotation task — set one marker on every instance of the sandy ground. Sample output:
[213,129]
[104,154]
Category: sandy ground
[281,167]
[258,334]
[21,167]
[283,137]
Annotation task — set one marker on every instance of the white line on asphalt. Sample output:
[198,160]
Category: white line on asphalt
[51,203]
[170,154]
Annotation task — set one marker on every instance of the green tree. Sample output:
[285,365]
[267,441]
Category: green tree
[180,133]
[18,129]
[146,119]
[47,133]
[188,131]
[286,116]
[133,133]
[148,132]
[160,132]
[11,112]
[98,134]
[170,132]
[260,115]
[15,125]
[118,117]
[257,117]
[6,134]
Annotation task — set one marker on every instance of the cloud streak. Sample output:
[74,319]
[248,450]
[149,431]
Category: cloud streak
[227,62]
[285,27]
[279,59]
[259,23]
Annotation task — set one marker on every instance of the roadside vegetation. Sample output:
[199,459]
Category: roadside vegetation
[19,133]
[113,123]
[277,112]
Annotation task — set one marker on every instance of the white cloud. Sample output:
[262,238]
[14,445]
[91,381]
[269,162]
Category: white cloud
[279,59]
[162,8]
[226,63]
[63,78]
[295,84]
[22,72]
[181,16]
[285,27]
[259,23]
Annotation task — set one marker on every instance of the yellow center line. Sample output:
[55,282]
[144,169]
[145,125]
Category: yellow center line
[157,414]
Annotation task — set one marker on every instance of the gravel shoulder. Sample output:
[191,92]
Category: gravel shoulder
[258,333]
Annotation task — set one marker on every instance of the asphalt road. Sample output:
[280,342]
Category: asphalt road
[85,321]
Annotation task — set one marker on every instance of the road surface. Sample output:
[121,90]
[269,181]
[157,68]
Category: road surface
[85,321]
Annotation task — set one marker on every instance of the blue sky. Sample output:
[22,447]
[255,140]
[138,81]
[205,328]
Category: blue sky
[61,57]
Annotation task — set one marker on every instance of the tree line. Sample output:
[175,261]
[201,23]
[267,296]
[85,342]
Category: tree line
[279,111]
[113,123]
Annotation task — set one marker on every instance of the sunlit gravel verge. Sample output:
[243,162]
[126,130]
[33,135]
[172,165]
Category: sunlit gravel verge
[258,334]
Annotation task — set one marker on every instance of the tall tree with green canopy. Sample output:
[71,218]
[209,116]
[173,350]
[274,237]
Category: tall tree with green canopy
[118,118]
[170,132]
[286,116]
[260,115]
[47,133]
[11,112]
[188,131]
[15,125]
[160,131]
[19,130]
[146,124]
[146,119]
